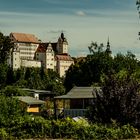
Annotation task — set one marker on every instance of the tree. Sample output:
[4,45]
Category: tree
[138,8]
[94,47]
[10,110]
[5,46]
[127,62]
[88,71]
[10,91]
[3,74]
[10,76]
[118,101]
[138,5]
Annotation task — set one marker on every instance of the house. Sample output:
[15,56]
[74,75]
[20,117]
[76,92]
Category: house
[39,94]
[32,104]
[29,52]
[77,100]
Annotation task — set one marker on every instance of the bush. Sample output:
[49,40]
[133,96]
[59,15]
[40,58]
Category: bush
[38,127]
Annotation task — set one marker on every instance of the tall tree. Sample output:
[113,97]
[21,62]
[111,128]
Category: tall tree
[5,46]
[3,74]
[10,110]
[88,70]
[118,101]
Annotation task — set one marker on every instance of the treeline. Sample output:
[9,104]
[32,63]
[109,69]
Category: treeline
[90,70]
[33,78]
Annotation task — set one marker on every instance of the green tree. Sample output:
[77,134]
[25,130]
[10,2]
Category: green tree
[10,91]
[5,46]
[3,74]
[94,47]
[10,110]
[118,101]
[10,76]
[138,6]
[89,70]
[127,62]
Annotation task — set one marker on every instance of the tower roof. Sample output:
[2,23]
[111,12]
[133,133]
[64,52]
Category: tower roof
[108,46]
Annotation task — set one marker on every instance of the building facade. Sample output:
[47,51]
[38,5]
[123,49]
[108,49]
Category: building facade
[29,52]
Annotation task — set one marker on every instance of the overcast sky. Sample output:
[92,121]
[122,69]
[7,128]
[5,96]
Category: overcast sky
[82,21]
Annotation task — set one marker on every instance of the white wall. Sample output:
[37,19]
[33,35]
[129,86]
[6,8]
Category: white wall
[15,60]
[63,66]
[30,63]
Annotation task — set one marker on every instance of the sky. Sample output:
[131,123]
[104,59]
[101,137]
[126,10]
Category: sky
[82,22]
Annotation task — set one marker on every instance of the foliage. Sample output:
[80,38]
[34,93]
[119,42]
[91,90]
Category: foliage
[127,62]
[3,74]
[37,127]
[10,91]
[5,46]
[138,6]
[33,78]
[88,70]
[94,47]
[119,100]
[10,109]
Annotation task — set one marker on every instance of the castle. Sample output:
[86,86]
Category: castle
[28,51]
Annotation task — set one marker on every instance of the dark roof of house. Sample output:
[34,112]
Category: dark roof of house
[22,37]
[43,47]
[38,91]
[81,93]
[30,100]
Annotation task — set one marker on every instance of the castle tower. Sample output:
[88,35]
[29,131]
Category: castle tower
[49,57]
[62,44]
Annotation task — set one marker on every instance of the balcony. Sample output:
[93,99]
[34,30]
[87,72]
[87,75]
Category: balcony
[74,112]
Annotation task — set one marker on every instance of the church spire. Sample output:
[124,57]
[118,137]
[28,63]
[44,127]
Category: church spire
[108,44]
[108,47]
[62,36]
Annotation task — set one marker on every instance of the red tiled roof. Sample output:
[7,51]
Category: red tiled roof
[22,37]
[64,57]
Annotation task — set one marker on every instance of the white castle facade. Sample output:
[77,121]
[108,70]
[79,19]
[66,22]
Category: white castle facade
[29,52]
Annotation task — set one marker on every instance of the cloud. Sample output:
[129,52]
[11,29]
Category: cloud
[80,13]
[56,31]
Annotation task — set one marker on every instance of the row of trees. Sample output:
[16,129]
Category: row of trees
[34,78]
[90,70]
